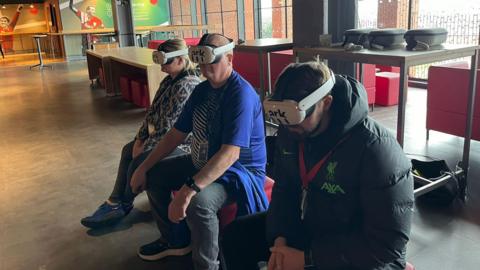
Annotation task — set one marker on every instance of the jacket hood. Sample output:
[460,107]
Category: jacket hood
[350,104]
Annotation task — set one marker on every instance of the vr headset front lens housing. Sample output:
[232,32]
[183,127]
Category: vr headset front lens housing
[290,112]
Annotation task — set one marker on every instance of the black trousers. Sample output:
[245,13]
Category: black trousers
[244,243]
[122,192]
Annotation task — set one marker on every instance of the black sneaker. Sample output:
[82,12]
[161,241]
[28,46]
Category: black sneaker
[107,214]
[158,250]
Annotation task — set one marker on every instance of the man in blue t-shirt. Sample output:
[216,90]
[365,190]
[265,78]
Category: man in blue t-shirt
[224,115]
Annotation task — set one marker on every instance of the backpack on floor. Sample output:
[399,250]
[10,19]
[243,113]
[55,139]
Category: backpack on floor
[434,170]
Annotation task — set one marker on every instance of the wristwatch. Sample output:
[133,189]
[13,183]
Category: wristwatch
[191,184]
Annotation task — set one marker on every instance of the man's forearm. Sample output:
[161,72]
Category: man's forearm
[165,146]
[217,165]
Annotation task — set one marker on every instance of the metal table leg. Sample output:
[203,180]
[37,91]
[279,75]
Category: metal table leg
[40,58]
[269,90]
[402,102]
[262,81]
[468,128]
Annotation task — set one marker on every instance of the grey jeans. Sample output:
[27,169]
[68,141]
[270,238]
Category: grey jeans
[201,213]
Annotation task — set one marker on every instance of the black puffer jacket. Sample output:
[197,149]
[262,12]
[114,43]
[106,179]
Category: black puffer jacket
[359,206]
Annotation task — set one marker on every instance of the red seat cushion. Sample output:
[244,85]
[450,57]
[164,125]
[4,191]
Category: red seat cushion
[140,96]
[387,84]
[228,213]
[101,77]
[125,88]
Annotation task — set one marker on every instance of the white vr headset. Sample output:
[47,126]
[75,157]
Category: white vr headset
[289,112]
[204,54]
[163,58]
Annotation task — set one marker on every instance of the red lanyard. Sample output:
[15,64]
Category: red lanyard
[307,177]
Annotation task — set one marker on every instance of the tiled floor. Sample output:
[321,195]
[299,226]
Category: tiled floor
[60,143]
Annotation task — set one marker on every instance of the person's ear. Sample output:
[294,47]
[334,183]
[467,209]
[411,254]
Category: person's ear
[180,60]
[327,102]
[229,57]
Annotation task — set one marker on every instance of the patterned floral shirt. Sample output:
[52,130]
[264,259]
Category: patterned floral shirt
[166,107]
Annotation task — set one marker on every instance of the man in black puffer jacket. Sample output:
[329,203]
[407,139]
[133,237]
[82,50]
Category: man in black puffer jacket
[343,196]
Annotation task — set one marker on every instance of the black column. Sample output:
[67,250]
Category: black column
[309,21]
[343,16]
[312,18]
[123,22]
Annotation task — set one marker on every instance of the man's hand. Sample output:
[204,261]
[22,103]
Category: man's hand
[138,183]
[178,206]
[19,7]
[138,147]
[275,261]
[292,259]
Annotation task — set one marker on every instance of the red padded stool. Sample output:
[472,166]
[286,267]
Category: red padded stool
[387,84]
[139,90]
[369,81]
[228,213]
[125,88]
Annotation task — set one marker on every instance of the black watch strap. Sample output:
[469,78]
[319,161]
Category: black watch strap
[191,184]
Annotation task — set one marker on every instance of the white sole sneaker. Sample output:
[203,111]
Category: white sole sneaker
[166,253]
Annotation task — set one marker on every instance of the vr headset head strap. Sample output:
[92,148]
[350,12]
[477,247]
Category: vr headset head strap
[318,94]
[176,53]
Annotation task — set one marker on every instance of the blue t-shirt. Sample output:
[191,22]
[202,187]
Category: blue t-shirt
[229,115]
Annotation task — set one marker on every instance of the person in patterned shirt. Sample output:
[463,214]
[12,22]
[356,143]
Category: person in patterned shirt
[167,105]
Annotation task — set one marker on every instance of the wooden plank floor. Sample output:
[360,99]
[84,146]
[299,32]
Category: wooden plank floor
[60,144]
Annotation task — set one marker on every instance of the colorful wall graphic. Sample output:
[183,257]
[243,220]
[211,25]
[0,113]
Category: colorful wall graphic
[20,19]
[150,12]
[97,14]
[86,14]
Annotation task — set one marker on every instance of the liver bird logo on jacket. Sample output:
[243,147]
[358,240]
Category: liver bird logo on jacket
[331,171]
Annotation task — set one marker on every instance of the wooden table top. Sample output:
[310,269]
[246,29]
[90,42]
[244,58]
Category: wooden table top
[135,56]
[393,57]
[265,45]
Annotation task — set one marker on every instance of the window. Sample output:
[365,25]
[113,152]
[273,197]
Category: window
[276,18]
[462,20]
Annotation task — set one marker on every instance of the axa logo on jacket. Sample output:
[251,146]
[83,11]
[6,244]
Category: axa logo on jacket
[329,187]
